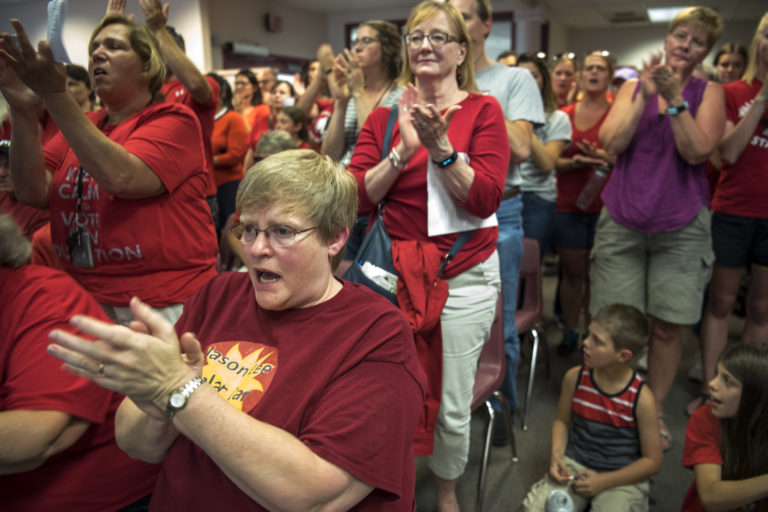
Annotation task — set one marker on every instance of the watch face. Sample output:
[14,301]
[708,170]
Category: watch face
[177,399]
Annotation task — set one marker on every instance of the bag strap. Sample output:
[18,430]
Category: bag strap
[455,248]
[391,120]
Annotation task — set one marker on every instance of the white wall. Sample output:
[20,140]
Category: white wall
[630,45]
[84,15]
[243,21]
[303,31]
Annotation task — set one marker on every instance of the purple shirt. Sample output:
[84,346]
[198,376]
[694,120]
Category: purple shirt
[652,188]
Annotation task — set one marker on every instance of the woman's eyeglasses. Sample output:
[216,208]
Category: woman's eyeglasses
[436,39]
[364,41]
[279,234]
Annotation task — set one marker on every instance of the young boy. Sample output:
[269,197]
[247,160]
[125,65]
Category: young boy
[605,440]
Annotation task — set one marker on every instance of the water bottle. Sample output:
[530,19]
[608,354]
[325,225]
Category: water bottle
[558,501]
[592,188]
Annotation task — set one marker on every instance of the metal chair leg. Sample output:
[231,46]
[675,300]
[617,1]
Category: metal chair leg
[544,348]
[507,422]
[531,374]
[486,457]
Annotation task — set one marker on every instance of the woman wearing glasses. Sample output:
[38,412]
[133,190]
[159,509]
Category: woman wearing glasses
[363,78]
[455,139]
[296,391]
[653,248]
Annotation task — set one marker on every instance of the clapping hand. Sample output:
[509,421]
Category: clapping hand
[424,125]
[37,69]
[146,362]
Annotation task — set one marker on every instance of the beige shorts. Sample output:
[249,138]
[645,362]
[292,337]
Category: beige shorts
[662,274]
[627,498]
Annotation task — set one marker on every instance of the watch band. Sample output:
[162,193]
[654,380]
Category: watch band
[445,162]
[673,111]
[180,397]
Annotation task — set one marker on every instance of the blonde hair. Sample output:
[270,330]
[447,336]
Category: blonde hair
[14,246]
[303,182]
[607,58]
[754,55]
[144,43]
[702,16]
[426,10]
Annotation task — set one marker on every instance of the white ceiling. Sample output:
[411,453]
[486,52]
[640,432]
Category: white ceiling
[571,13]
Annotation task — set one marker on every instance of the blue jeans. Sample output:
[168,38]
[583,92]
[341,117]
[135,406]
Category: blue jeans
[510,247]
[538,220]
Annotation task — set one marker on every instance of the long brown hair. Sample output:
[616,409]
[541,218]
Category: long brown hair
[744,437]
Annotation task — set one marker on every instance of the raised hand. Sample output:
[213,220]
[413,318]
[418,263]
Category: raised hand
[337,80]
[115,7]
[408,134]
[353,72]
[155,14]
[19,96]
[667,84]
[432,128]
[37,69]
[646,74]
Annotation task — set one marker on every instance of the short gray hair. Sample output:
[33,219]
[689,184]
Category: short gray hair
[14,246]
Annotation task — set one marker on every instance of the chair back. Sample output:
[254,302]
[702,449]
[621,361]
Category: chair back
[492,365]
[529,300]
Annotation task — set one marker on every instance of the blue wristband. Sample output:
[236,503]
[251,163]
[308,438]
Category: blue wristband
[447,161]
[673,111]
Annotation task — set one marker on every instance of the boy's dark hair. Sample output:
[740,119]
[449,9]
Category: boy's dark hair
[627,325]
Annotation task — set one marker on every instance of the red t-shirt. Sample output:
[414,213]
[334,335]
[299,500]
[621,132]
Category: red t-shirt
[570,184]
[342,376]
[160,248]
[702,446]
[42,249]
[229,143]
[29,219]
[262,121]
[743,187]
[318,124]
[175,92]
[476,129]
[93,474]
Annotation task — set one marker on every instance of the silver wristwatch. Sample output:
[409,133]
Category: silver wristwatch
[180,397]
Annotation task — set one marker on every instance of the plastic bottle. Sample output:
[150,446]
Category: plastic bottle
[592,188]
[558,501]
